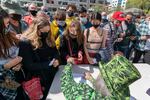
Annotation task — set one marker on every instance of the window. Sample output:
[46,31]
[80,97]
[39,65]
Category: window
[83,0]
[50,1]
[65,3]
[59,2]
[92,1]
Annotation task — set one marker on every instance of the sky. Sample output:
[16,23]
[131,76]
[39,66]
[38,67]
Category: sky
[109,0]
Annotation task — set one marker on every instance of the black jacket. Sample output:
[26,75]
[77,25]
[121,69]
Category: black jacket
[36,62]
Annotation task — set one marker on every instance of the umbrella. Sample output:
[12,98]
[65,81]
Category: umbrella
[135,11]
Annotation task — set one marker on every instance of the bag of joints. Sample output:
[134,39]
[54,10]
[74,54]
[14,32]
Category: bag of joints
[117,74]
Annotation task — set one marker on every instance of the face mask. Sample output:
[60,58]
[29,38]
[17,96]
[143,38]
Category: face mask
[16,17]
[45,10]
[95,25]
[142,20]
[83,20]
[104,17]
[44,35]
[61,23]
[33,12]
[70,13]
[73,36]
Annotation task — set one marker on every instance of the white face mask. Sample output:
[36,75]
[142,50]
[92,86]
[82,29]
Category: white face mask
[83,20]
[61,23]
[104,17]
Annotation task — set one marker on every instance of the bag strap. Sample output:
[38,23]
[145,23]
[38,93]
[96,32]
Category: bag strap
[70,49]
[87,34]
[111,30]
[102,32]
[23,73]
[59,34]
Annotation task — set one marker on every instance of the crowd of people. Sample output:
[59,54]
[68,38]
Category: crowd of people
[35,44]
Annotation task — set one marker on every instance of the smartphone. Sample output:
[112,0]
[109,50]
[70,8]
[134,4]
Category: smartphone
[51,63]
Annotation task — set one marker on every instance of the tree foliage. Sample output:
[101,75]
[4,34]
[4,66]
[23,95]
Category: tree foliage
[100,8]
[142,4]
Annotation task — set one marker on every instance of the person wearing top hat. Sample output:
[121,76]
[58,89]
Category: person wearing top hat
[15,12]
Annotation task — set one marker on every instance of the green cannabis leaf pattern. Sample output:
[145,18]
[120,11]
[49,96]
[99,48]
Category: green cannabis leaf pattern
[118,74]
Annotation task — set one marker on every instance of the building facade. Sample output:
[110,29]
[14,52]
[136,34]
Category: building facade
[118,3]
[55,4]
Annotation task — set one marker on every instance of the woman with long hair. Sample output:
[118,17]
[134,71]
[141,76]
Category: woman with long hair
[72,44]
[94,39]
[10,62]
[40,54]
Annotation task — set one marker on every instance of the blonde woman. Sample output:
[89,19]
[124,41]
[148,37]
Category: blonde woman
[72,44]
[40,54]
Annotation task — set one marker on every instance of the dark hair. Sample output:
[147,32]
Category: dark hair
[95,15]
[138,16]
[7,40]
[3,14]
[16,17]
[82,10]
[72,6]
[60,14]
[129,13]
[144,15]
